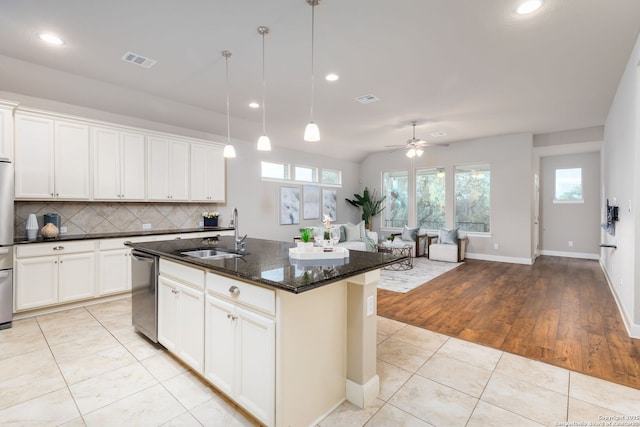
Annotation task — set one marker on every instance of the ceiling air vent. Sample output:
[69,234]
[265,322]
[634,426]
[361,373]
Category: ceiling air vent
[138,59]
[367,99]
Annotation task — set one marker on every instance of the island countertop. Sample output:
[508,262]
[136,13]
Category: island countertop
[267,262]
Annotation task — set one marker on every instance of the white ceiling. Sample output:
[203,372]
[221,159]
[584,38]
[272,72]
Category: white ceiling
[466,67]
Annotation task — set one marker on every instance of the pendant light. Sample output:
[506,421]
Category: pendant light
[229,150]
[264,144]
[312,132]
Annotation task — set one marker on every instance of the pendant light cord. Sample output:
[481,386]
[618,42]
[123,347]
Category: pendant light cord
[313,20]
[227,54]
[264,91]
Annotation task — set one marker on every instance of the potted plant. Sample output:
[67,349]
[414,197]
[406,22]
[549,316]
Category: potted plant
[210,218]
[370,204]
[306,234]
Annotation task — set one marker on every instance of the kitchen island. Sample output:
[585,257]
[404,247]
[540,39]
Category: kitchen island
[288,341]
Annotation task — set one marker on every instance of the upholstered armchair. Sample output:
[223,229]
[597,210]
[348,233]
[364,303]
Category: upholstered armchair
[448,246]
[417,238]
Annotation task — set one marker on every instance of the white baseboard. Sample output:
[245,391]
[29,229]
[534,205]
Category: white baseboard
[582,255]
[632,329]
[363,395]
[56,308]
[497,258]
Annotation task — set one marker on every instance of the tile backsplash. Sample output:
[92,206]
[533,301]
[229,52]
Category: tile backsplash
[94,217]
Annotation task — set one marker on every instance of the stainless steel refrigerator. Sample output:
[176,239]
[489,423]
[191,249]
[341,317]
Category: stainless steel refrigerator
[6,244]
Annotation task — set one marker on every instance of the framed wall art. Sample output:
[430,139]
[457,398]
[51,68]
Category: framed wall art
[289,205]
[329,203]
[310,202]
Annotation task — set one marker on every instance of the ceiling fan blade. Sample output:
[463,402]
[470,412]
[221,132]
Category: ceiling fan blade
[395,145]
[431,144]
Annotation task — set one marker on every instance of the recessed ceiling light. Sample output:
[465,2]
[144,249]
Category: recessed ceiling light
[51,39]
[332,77]
[254,104]
[528,6]
[437,134]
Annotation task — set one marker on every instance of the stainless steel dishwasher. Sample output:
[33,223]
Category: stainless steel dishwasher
[144,293]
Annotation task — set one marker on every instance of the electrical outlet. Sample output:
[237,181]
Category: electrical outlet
[63,230]
[201,223]
[146,226]
[570,243]
[496,246]
[371,305]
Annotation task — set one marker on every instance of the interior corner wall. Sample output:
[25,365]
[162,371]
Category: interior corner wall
[578,223]
[511,160]
[621,180]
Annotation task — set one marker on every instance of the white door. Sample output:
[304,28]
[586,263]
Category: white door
[34,157]
[158,169]
[536,216]
[115,272]
[76,273]
[6,134]
[179,167]
[168,298]
[191,323]
[36,282]
[220,356]
[72,160]
[133,166]
[255,384]
[106,164]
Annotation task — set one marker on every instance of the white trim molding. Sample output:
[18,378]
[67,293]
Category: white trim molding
[632,329]
[583,255]
[497,258]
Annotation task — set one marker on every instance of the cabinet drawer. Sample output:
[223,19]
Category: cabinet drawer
[241,292]
[182,273]
[110,244]
[54,248]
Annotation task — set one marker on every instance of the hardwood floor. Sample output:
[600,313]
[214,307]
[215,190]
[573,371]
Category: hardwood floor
[559,311]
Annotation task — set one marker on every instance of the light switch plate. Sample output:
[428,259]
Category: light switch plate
[146,226]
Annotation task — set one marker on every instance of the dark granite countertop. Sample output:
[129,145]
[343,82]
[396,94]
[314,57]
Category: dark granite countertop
[71,237]
[267,263]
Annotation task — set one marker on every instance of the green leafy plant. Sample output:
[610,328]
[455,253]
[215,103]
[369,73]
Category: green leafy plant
[306,234]
[370,204]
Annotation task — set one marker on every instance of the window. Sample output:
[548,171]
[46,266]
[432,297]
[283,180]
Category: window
[430,198]
[307,174]
[569,185]
[395,185]
[331,177]
[473,198]
[275,170]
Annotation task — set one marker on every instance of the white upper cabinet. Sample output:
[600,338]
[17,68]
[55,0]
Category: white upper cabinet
[6,133]
[52,158]
[118,164]
[167,169]
[207,173]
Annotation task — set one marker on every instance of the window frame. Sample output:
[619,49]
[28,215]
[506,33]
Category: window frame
[387,199]
[286,170]
[482,167]
[557,200]
[436,171]
[337,172]
[314,173]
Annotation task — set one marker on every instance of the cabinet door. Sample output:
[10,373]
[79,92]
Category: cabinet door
[132,166]
[34,157]
[6,134]
[191,324]
[106,164]
[115,271]
[220,356]
[217,175]
[36,282]
[255,384]
[200,176]
[168,297]
[76,277]
[72,160]
[179,167]
[158,169]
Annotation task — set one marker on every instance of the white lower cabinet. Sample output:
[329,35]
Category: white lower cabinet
[181,314]
[115,271]
[240,351]
[47,280]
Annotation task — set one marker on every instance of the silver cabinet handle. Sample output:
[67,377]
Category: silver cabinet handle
[234,290]
[58,248]
[173,291]
[232,317]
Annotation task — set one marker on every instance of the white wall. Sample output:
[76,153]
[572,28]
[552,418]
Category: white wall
[510,157]
[575,222]
[621,180]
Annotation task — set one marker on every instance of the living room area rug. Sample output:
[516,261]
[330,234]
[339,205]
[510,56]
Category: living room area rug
[423,270]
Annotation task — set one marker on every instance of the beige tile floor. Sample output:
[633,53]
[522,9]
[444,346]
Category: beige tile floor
[87,366]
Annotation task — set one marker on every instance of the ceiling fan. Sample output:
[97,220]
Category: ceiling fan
[415,146]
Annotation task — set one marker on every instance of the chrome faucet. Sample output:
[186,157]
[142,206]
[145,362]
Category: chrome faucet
[238,242]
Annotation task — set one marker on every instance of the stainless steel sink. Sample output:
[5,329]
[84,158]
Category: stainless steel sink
[211,254]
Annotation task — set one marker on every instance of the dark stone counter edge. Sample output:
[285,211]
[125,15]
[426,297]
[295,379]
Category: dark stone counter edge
[259,280]
[71,237]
